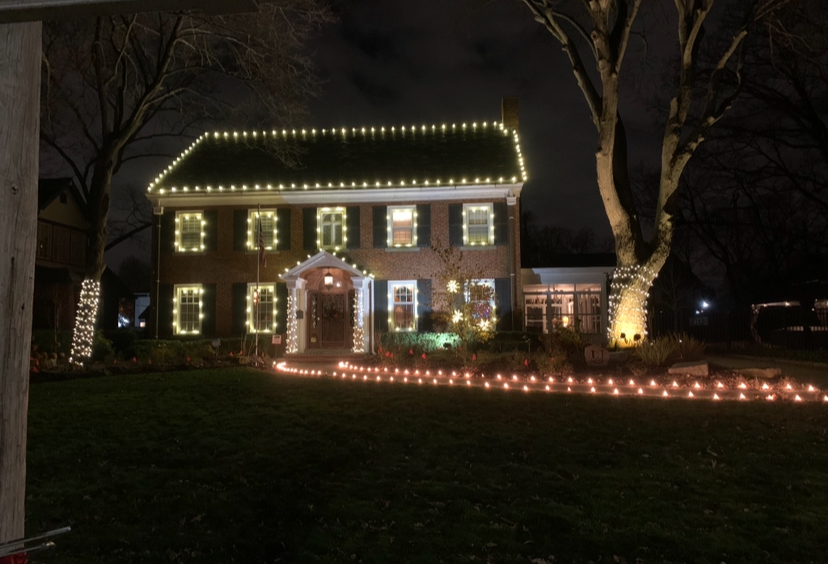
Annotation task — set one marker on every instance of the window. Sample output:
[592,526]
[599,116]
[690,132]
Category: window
[402,296]
[261,308]
[187,310]
[44,240]
[330,224]
[478,224]
[402,226]
[269,235]
[480,295]
[189,231]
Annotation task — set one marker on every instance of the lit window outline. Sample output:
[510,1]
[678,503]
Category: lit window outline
[392,285]
[319,226]
[185,215]
[389,217]
[179,289]
[252,241]
[489,207]
[251,309]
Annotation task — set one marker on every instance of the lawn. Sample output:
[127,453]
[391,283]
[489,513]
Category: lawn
[243,466]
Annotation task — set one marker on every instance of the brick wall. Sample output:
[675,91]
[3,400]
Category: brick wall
[226,266]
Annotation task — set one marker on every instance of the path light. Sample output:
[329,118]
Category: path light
[652,383]
[810,388]
[770,397]
[568,389]
[525,388]
[640,391]
[589,381]
[675,384]
[551,379]
[742,396]
[435,381]
[715,396]
[788,387]
[690,395]
[632,383]
[615,392]
[486,384]
[742,386]
[720,385]
[665,394]
[405,380]
[419,380]
[697,386]
[765,387]
[592,389]
[505,386]
[468,382]
[797,398]
[547,389]
[569,379]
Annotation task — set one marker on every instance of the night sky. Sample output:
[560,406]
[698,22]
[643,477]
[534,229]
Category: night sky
[395,62]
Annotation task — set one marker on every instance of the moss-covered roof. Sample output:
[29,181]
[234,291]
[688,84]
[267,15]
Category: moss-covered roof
[347,158]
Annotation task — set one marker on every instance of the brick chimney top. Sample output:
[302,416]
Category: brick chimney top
[509,112]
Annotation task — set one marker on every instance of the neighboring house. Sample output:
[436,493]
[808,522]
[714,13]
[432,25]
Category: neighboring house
[60,254]
[572,291]
[348,216]
[60,260]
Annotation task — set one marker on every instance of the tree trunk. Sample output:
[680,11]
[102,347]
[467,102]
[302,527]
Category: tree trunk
[20,46]
[87,312]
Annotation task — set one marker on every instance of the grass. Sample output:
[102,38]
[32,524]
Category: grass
[244,466]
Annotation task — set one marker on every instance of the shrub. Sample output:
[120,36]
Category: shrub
[657,352]
[567,342]
[124,340]
[688,348]
[51,341]
[101,347]
[424,342]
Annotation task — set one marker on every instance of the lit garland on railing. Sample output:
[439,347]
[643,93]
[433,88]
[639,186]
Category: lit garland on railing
[85,322]
[629,291]
[292,342]
[590,386]
[275,135]
[359,331]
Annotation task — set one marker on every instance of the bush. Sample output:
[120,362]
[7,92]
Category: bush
[568,343]
[101,347]
[657,352]
[689,348]
[508,341]
[50,341]
[124,341]
[423,342]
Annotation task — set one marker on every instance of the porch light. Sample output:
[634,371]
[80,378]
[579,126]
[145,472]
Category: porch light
[328,280]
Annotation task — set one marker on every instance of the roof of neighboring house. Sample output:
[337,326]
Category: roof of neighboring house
[374,157]
[48,189]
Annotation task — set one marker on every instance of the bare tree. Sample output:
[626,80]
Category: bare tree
[704,88]
[116,89]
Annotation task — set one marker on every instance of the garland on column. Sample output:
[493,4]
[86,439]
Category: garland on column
[359,331]
[292,342]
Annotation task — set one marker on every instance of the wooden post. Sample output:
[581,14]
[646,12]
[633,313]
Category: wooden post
[20,49]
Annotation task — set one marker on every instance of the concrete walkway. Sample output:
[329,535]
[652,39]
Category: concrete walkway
[807,372]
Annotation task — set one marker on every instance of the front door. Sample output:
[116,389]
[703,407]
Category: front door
[329,320]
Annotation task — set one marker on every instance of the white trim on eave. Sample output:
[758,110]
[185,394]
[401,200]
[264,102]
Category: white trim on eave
[338,196]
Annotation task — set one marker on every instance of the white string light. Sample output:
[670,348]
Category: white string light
[85,322]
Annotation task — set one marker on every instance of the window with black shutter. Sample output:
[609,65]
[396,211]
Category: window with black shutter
[501,223]
[283,227]
[381,305]
[309,235]
[424,306]
[503,294]
[211,230]
[240,229]
[239,307]
[208,310]
[281,307]
[352,224]
[424,225]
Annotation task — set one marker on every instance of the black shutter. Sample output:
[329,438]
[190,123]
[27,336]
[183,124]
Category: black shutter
[380,227]
[164,309]
[456,225]
[211,230]
[381,305]
[352,224]
[424,307]
[281,307]
[208,310]
[168,232]
[501,223]
[503,294]
[424,225]
[240,229]
[309,234]
[283,229]
[239,308]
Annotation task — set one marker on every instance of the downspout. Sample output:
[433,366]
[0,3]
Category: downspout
[511,202]
[158,212]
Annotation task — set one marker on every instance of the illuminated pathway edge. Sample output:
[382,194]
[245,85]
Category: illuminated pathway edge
[713,390]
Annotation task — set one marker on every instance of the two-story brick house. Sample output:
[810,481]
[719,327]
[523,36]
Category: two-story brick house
[348,217]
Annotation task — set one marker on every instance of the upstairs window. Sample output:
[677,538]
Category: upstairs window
[187,313]
[330,226]
[478,224]
[402,226]
[189,231]
[269,233]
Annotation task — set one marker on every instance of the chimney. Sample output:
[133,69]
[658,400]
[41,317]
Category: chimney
[509,112]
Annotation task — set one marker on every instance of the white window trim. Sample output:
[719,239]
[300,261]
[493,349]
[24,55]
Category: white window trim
[252,239]
[251,308]
[184,214]
[391,285]
[389,216]
[177,291]
[342,212]
[489,207]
